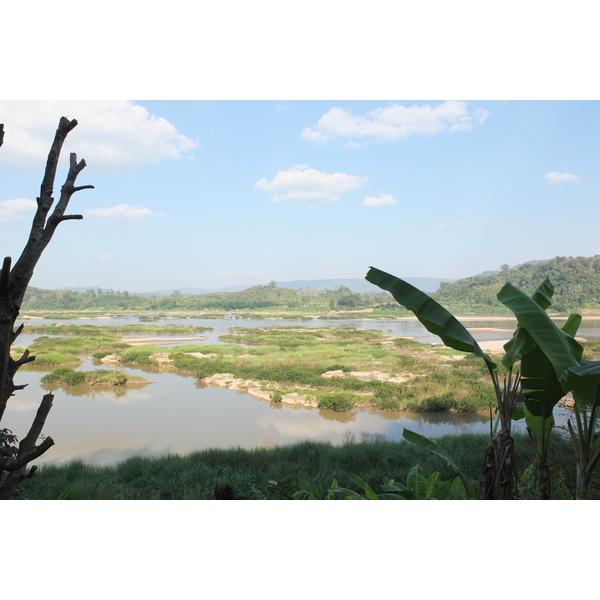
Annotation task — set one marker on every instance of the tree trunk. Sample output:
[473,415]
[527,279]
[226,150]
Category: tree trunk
[13,285]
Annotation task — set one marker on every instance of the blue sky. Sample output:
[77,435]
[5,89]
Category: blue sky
[219,193]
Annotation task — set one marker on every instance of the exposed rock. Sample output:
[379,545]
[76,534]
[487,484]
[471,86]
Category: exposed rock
[378,375]
[330,374]
[112,359]
[295,399]
[567,402]
[200,355]
[260,394]
[229,381]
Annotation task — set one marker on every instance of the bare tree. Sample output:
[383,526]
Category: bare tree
[13,285]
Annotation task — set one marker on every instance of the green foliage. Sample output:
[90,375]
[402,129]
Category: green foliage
[64,375]
[68,376]
[339,402]
[43,359]
[417,487]
[248,471]
[141,355]
[577,281]
[8,443]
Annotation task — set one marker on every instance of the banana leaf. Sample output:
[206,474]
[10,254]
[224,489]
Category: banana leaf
[434,317]
[561,349]
[540,382]
[541,391]
[417,483]
[583,381]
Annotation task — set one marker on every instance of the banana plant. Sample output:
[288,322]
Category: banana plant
[543,351]
[498,476]
[584,382]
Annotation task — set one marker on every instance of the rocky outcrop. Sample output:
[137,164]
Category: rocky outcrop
[112,359]
[366,375]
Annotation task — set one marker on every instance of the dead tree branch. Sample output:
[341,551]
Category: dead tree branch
[13,285]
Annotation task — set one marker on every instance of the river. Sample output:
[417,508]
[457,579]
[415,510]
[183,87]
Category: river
[176,414]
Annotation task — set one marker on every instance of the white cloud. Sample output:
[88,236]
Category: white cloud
[302,184]
[381,200]
[395,122]
[108,256]
[111,135]
[441,225]
[121,212]
[558,178]
[10,210]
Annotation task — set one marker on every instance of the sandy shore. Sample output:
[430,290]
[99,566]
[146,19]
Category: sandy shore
[159,341]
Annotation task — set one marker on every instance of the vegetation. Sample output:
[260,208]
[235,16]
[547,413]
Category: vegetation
[247,472]
[547,364]
[68,376]
[577,281]
[257,298]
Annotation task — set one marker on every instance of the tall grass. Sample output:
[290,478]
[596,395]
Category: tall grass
[196,475]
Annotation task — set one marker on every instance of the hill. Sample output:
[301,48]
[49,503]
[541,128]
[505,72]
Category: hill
[576,282]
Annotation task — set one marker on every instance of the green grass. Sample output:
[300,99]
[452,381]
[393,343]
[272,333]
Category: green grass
[66,376]
[112,331]
[248,471]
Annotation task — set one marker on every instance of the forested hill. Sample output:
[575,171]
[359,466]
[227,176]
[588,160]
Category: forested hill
[576,282]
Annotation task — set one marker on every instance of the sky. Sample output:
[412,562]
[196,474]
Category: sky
[211,194]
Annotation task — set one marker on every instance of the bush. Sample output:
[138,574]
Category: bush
[336,367]
[64,375]
[140,355]
[438,403]
[339,402]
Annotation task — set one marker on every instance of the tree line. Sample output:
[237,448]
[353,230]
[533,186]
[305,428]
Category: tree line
[254,298]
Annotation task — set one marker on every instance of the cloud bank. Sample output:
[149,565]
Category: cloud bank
[11,210]
[559,178]
[111,135]
[301,184]
[121,212]
[395,122]
[381,200]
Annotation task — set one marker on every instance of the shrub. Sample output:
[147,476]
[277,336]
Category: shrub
[344,368]
[140,355]
[339,402]
[438,403]
[64,375]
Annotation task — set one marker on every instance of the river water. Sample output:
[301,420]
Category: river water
[176,414]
